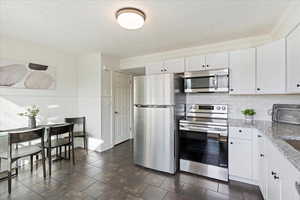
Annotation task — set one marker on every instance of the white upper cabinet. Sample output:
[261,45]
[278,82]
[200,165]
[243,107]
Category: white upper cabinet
[293,62]
[271,68]
[168,66]
[217,60]
[174,65]
[195,63]
[155,68]
[242,71]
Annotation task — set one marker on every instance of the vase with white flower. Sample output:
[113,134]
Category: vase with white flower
[31,112]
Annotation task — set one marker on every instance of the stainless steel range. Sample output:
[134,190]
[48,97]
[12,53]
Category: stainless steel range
[203,141]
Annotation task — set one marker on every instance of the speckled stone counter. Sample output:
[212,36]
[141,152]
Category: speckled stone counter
[276,133]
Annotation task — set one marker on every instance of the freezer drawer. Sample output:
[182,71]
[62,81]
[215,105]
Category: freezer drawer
[154,138]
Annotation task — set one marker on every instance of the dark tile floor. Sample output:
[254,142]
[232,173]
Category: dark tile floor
[113,176]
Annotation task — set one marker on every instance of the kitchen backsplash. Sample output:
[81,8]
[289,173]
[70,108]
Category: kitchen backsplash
[261,103]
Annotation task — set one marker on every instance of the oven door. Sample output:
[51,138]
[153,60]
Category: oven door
[208,148]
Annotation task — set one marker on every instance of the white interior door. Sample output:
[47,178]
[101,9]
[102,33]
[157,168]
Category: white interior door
[122,106]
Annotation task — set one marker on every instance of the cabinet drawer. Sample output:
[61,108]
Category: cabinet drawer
[241,133]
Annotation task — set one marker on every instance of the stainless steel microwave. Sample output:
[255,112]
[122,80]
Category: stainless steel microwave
[207,81]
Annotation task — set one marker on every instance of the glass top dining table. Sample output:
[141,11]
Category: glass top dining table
[4,143]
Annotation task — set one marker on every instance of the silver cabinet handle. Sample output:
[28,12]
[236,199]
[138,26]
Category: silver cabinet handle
[297,186]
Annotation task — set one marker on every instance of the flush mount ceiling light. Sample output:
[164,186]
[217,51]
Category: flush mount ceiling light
[130,18]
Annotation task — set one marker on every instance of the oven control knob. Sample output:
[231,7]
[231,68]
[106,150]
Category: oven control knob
[223,108]
[218,107]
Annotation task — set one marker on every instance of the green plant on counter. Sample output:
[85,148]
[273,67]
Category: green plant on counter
[249,112]
[31,111]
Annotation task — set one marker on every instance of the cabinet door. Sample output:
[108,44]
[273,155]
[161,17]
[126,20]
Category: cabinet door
[274,187]
[216,61]
[260,172]
[195,63]
[293,62]
[240,158]
[290,179]
[274,175]
[242,71]
[271,68]
[174,65]
[155,68]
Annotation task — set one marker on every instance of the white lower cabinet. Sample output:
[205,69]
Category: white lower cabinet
[274,176]
[240,158]
[240,154]
[290,180]
[260,174]
[257,161]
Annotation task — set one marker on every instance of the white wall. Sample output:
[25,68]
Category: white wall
[109,63]
[56,104]
[261,103]
[89,97]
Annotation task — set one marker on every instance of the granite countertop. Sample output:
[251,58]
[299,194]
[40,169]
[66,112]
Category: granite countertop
[276,132]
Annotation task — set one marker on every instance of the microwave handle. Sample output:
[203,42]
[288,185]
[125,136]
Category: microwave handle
[216,81]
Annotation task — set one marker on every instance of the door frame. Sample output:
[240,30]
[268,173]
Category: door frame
[113,105]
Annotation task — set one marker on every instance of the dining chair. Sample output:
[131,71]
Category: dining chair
[79,132]
[14,154]
[56,139]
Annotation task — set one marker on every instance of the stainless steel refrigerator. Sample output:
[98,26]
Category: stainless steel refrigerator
[158,105]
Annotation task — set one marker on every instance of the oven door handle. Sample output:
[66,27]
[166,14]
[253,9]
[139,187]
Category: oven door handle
[205,130]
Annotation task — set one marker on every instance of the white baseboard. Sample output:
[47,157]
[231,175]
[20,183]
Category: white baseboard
[98,145]
[243,180]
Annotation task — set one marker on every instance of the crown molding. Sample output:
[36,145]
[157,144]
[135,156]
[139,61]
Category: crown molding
[288,21]
[140,61]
